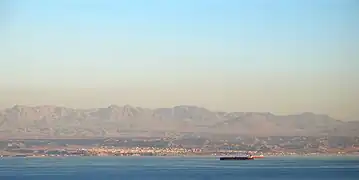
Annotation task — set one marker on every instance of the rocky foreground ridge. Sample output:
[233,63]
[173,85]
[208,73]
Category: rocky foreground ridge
[55,121]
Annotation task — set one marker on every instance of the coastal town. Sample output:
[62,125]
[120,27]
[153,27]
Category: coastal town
[285,146]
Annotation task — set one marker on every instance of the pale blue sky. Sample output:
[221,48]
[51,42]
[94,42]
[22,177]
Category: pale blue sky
[224,49]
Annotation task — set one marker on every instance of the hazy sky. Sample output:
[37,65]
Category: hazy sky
[281,56]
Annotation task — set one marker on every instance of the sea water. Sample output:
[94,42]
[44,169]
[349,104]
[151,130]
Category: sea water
[179,168]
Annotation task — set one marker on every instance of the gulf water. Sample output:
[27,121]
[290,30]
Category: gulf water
[179,168]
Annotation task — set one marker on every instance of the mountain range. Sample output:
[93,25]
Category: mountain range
[56,121]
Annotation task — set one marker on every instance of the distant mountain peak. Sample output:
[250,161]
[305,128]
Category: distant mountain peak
[113,106]
[127,106]
[188,118]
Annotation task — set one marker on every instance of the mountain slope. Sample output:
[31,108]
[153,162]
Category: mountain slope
[269,124]
[54,121]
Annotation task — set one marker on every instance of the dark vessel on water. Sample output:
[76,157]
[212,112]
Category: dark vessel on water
[248,157]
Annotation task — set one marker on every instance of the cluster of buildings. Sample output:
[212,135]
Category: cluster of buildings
[141,151]
[105,151]
[189,146]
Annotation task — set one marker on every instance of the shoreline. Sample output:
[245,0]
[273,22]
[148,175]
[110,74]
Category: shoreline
[180,156]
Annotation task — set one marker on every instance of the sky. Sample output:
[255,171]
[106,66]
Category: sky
[275,56]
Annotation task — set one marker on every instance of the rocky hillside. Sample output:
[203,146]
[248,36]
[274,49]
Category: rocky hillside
[54,121]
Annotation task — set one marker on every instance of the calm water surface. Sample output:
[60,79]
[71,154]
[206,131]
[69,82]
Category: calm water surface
[175,168]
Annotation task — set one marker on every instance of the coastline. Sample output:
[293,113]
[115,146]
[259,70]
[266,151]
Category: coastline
[182,156]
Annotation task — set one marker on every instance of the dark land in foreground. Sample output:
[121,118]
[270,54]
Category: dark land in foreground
[181,146]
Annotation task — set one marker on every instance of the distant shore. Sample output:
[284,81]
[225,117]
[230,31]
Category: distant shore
[180,156]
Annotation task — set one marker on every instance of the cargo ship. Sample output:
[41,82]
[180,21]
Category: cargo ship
[249,157]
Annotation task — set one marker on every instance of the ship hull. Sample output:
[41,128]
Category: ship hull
[236,158]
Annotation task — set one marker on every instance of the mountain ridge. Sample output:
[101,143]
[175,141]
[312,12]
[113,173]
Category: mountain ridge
[113,120]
